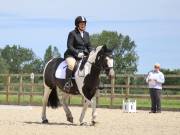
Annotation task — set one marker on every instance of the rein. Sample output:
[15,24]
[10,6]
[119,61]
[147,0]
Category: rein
[95,65]
[100,68]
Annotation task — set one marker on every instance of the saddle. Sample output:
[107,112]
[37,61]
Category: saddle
[61,69]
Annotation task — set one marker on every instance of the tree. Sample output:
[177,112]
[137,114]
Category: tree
[3,66]
[51,53]
[21,60]
[16,57]
[48,54]
[55,52]
[173,80]
[36,66]
[125,57]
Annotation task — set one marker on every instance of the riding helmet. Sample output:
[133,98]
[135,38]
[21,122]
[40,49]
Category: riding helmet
[80,19]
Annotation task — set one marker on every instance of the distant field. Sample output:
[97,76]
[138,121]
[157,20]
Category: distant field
[103,102]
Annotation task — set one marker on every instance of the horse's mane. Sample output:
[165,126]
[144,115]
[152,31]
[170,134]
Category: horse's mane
[91,54]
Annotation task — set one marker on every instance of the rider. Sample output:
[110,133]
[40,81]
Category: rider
[78,46]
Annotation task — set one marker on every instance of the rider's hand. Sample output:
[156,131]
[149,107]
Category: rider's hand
[80,55]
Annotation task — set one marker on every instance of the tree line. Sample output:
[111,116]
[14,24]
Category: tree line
[17,59]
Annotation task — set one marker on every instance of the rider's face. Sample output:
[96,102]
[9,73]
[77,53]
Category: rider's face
[82,26]
[156,68]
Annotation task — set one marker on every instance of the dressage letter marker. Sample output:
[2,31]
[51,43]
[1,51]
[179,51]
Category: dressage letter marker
[129,105]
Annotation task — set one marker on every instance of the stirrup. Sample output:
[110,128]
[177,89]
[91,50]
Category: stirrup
[68,85]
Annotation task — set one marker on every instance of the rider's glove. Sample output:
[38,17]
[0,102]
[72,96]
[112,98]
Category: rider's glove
[80,55]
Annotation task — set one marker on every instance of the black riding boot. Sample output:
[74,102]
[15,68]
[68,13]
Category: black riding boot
[68,83]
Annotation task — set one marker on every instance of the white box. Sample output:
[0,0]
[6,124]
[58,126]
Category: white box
[129,105]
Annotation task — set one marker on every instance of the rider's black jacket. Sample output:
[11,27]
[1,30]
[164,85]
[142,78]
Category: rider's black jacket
[77,44]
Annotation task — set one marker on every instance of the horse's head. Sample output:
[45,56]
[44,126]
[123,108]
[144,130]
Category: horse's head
[102,58]
[107,61]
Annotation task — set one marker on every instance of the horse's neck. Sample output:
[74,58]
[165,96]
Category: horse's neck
[95,71]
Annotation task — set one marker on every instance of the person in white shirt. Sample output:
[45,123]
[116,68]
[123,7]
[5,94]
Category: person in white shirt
[155,79]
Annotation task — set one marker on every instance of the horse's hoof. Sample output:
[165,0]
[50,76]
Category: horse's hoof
[45,121]
[83,124]
[70,119]
[93,123]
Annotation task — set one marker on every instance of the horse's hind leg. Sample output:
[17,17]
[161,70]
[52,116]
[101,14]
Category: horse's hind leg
[47,92]
[66,108]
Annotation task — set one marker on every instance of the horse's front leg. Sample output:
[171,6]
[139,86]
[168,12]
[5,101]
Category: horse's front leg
[66,108]
[47,92]
[85,106]
[94,114]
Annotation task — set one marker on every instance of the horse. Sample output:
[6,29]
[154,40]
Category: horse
[85,82]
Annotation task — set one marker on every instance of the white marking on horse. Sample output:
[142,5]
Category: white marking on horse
[93,54]
[109,62]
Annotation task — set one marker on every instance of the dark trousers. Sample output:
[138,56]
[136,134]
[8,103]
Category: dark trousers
[155,95]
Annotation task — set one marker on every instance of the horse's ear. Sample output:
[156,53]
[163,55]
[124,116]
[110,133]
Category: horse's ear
[104,47]
[108,51]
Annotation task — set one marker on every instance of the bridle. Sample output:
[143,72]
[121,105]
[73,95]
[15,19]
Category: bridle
[99,67]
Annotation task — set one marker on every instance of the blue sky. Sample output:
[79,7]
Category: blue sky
[154,25]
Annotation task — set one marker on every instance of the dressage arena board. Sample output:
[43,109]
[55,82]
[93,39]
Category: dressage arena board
[22,120]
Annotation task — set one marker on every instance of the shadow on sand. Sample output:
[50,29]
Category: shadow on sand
[58,124]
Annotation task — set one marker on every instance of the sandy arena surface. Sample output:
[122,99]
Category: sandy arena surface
[27,121]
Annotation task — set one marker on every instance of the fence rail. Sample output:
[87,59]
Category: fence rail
[21,85]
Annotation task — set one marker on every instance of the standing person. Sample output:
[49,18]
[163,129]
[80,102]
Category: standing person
[155,79]
[78,46]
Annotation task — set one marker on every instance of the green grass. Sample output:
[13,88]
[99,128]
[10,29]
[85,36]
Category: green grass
[142,103]
[147,103]
[24,100]
[75,100]
[103,101]
[2,99]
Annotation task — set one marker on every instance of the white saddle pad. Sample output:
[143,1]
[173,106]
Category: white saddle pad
[61,70]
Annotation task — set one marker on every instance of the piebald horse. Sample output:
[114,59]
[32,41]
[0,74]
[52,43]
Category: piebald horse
[86,84]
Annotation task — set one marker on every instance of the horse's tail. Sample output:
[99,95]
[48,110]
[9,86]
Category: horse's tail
[50,81]
[53,100]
